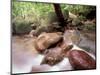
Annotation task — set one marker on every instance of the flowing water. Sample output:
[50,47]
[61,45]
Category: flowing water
[25,58]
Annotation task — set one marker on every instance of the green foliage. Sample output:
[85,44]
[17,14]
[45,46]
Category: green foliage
[90,27]
[22,28]
[26,8]
[41,14]
[21,8]
[21,25]
[52,17]
[81,17]
[76,9]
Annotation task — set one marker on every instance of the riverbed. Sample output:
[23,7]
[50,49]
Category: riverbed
[25,56]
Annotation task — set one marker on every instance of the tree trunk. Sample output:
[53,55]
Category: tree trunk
[59,15]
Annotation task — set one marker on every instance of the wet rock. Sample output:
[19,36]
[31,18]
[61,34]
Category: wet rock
[32,33]
[76,22]
[53,56]
[56,55]
[45,40]
[72,16]
[80,60]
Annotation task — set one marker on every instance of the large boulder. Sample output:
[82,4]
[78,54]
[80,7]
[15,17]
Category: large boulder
[81,60]
[45,40]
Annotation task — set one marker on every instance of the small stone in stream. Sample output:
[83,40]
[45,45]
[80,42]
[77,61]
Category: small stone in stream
[32,33]
[65,47]
[45,40]
[55,55]
[80,60]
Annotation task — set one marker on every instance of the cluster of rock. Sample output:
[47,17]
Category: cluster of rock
[57,45]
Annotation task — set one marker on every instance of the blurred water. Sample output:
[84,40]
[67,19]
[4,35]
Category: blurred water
[25,58]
